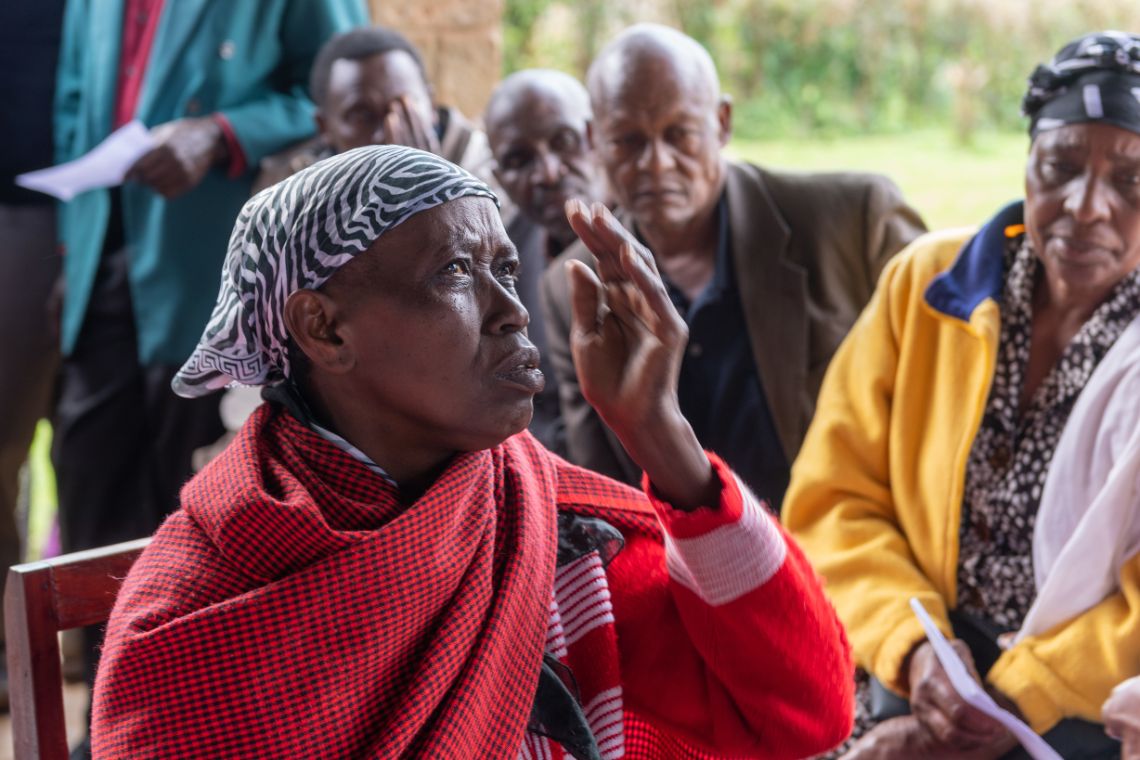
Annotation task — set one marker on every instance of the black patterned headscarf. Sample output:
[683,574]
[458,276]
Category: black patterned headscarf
[1095,78]
[297,234]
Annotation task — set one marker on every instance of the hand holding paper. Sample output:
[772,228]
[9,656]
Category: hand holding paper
[105,165]
[973,693]
[184,150]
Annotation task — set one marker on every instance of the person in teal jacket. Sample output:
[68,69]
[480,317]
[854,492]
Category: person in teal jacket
[220,84]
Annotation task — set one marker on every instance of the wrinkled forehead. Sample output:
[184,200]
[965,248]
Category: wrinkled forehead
[1080,137]
[674,72]
[391,73]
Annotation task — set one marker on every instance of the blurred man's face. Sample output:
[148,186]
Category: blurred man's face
[658,133]
[542,159]
[362,94]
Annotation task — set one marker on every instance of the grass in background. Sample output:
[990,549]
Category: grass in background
[42,499]
[951,185]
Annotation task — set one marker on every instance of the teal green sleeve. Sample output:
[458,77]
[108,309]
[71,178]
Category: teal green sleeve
[265,125]
[68,80]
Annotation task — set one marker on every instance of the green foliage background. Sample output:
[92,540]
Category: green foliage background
[837,67]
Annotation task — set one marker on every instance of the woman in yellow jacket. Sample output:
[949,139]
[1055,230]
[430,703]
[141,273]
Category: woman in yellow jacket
[929,470]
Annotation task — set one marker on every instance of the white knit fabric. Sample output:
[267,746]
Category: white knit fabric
[728,562]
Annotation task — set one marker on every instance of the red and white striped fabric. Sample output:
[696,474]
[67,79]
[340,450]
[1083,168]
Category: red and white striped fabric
[718,560]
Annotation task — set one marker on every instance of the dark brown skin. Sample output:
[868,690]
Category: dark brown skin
[418,351]
[536,125]
[659,126]
[379,100]
[1082,217]
[1121,714]
[1082,214]
[186,149]
[950,722]
[906,737]
[628,340]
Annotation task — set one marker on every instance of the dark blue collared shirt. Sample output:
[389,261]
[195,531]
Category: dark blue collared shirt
[720,390]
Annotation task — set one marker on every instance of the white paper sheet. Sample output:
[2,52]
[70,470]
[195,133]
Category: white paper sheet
[971,691]
[105,165]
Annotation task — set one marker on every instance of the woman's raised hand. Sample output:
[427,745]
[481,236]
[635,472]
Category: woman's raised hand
[628,340]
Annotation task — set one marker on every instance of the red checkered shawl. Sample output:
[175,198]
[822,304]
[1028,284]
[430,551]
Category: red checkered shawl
[293,608]
[294,604]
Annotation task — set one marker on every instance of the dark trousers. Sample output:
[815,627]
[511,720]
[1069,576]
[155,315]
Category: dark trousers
[29,266]
[123,440]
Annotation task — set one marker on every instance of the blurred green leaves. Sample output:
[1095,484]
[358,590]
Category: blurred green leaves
[833,67]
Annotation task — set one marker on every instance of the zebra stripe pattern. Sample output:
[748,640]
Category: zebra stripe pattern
[297,234]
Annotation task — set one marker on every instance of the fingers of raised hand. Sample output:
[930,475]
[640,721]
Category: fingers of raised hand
[586,298]
[615,235]
[660,313]
[604,235]
[581,220]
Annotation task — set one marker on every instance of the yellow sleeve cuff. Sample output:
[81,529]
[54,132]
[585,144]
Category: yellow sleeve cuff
[1021,677]
[889,659]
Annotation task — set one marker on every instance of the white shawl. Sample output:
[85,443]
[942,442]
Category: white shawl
[1088,524]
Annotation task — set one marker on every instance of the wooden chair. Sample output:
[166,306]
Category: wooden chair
[42,599]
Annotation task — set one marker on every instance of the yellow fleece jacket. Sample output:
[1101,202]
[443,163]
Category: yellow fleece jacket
[876,493]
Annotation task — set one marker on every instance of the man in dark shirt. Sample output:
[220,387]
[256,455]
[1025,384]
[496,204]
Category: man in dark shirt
[29,259]
[718,381]
[769,270]
[536,123]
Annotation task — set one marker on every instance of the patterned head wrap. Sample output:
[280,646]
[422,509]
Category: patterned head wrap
[1094,78]
[296,235]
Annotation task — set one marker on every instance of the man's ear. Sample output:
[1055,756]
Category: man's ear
[724,118]
[311,318]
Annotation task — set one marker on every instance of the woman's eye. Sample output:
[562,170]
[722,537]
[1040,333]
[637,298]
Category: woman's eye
[509,271]
[458,267]
[1055,168]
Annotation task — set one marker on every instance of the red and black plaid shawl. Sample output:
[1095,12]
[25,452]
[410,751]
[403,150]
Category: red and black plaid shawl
[293,608]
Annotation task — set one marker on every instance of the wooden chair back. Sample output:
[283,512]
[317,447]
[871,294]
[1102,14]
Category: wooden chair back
[41,599]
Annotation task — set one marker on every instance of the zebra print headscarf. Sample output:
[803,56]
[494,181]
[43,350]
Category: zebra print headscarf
[297,234]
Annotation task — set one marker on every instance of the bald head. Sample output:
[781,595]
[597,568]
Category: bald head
[660,122]
[643,51]
[536,124]
[526,89]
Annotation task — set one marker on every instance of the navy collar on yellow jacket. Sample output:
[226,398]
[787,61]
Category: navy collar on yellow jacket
[977,272]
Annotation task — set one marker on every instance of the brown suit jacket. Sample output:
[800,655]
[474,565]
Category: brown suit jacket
[808,250]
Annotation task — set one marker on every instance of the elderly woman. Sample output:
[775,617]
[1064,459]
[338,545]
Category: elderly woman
[384,563]
[954,458]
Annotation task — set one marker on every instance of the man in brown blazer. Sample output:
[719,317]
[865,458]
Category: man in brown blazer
[770,270]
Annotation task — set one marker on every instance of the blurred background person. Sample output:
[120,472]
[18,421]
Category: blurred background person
[371,88]
[768,270]
[536,123]
[219,91]
[963,447]
[29,254]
